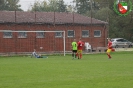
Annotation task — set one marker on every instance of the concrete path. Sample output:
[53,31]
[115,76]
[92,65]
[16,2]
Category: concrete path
[123,49]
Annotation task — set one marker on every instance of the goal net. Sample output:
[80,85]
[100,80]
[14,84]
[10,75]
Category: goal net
[24,42]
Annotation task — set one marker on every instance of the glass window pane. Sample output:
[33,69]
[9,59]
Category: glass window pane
[22,35]
[39,34]
[7,34]
[70,33]
[85,33]
[97,33]
[58,34]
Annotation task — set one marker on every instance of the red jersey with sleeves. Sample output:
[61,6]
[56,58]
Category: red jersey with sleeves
[80,45]
[109,45]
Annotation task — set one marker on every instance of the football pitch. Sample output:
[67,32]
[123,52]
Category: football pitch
[92,71]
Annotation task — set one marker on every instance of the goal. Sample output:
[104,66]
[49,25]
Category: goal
[24,42]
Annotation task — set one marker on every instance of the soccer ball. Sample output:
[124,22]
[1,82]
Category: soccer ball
[41,47]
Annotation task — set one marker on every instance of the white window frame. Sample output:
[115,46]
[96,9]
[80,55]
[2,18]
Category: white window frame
[5,35]
[41,35]
[86,31]
[58,34]
[71,36]
[97,31]
[20,35]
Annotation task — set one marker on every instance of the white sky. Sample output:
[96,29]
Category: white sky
[26,4]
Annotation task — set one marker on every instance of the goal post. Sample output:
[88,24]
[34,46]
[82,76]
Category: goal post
[27,41]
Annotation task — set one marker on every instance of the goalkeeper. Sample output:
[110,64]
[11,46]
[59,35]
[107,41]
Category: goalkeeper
[34,54]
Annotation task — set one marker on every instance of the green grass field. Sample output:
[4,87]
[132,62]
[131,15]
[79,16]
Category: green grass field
[93,71]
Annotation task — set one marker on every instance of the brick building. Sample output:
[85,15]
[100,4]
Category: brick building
[75,26]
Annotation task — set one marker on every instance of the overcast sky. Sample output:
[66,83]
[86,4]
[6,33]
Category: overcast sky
[26,4]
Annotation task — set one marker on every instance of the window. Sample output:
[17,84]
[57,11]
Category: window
[120,40]
[7,34]
[39,34]
[22,35]
[58,34]
[70,33]
[97,33]
[85,33]
[124,40]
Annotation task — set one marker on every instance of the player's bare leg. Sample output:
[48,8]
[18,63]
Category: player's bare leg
[81,54]
[78,55]
[109,56]
[108,53]
[73,55]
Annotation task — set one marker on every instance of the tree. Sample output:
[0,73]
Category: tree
[52,5]
[10,5]
[70,8]
[61,6]
[40,6]
[3,5]
[82,6]
[13,5]
[45,6]
[102,14]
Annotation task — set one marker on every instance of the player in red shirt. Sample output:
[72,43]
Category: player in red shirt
[80,47]
[110,48]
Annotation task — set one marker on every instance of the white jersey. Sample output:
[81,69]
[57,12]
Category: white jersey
[34,54]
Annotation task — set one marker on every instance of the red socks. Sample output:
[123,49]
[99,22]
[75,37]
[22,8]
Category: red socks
[109,55]
[80,56]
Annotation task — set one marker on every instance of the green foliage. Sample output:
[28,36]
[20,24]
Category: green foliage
[94,71]
[2,5]
[51,6]
[61,6]
[102,14]
[83,6]
[10,5]
[119,26]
